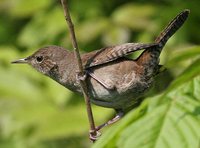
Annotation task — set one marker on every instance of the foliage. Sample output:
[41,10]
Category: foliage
[37,112]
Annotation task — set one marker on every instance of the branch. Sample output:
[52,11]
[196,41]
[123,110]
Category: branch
[83,83]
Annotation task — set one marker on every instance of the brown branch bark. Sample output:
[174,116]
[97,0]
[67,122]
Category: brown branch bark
[83,83]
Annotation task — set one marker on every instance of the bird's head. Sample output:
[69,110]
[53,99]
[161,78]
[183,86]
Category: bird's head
[45,60]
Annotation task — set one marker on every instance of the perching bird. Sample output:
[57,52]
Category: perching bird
[114,80]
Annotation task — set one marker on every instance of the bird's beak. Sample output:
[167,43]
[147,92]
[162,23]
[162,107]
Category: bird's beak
[20,61]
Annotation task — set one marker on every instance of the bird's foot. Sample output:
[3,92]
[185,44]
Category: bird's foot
[94,135]
[80,76]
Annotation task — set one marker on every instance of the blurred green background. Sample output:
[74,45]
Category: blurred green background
[36,112]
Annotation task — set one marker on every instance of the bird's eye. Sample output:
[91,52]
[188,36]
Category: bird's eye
[39,59]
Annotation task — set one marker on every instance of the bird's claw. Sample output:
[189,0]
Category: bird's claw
[80,76]
[94,135]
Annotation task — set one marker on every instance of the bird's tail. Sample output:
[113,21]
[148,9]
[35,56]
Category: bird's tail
[150,57]
[171,28]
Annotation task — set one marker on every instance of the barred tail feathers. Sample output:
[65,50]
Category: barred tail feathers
[150,57]
[171,28]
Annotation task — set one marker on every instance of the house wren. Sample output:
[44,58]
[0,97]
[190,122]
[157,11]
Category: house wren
[114,80]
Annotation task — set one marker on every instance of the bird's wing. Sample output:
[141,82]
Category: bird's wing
[112,53]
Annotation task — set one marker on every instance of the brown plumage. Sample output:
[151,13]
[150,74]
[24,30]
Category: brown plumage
[114,80]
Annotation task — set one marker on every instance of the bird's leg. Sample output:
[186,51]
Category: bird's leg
[80,77]
[107,84]
[93,137]
[118,116]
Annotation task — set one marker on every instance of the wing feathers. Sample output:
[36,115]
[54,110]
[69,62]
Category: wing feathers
[112,53]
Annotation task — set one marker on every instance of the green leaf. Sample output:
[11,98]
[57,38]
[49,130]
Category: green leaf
[43,27]
[24,8]
[116,35]
[192,71]
[91,29]
[183,55]
[134,16]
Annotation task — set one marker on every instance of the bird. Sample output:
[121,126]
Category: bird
[113,79]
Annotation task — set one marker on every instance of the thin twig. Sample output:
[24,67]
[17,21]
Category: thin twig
[83,83]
